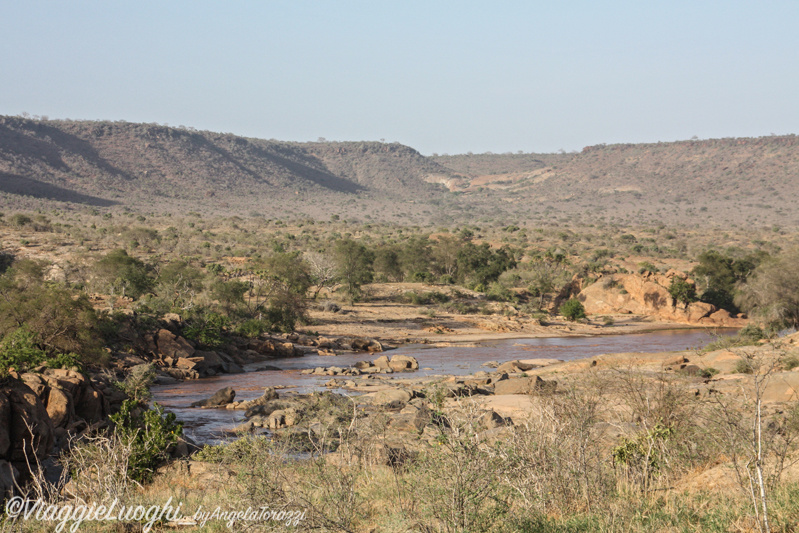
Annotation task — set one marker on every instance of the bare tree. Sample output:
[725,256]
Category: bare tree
[323,272]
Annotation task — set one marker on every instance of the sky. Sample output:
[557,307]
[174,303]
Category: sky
[440,76]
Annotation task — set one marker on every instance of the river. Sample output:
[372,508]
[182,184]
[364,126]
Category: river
[208,425]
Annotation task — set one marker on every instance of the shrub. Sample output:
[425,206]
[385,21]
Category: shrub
[18,350]
[789,362]
[206,327]
[743,367]
[252,328]
[150,433]
[573,310]
[499,293]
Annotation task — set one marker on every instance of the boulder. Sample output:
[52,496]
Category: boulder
[699,310]
[531,385]
[7,476]
[514,366]
[269,394]
[171,345]
[490,420]
[210,361]
[398,363]
[218,399]
[189,363]
[29,428]
[366,345]
[385,397]
[59,407]
[381,362]
[5,424]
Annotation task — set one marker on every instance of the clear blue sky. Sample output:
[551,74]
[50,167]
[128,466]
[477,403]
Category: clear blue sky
[445,77]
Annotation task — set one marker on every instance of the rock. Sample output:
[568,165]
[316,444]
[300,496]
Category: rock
[385,397]
[699,310]
[171,345]
[5,424]
[381,362]
[189,363]
[30,429]
[220,398]
[400,363]
[59,407]
[210,361]
[515,366]
[181,375]
[490,420]
[7,476]
[233,368]
[366,345]
[531,385]
[269,394]
[491,364]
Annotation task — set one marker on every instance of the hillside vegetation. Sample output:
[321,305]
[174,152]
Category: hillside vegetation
[154,168]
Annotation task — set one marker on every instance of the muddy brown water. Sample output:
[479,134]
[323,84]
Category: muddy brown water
[209,425]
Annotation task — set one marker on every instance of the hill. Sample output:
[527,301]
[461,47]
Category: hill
[163,168]
[718,181]
[155,168]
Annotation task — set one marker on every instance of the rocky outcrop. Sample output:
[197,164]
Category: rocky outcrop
[647,294]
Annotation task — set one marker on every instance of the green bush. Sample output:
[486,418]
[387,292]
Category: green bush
[253,328]
[573,310]
[150,433]
[206,328]
[18,350]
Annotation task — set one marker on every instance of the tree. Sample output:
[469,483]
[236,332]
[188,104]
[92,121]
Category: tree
[545,275]
[480,265]
[177,284]
[355,266]
[682,291]
[322,271]
[772,291]
[387,262]
[119,273]
[718,274]
[58,320]
[445,254]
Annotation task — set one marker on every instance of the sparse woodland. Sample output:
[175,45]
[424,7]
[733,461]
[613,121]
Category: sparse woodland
[116,238]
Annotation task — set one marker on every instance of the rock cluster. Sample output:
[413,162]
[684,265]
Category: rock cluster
[381,365]
[330,346]
[39,411]
[178,358]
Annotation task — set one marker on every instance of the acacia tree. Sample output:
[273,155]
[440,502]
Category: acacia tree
[355,266]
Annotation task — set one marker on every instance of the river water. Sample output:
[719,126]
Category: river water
[208,425]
